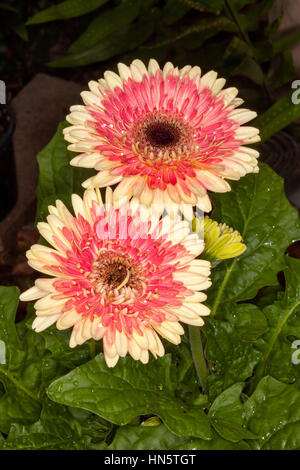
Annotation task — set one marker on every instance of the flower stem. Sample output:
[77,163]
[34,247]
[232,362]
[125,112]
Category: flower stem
[198,355]
[92,347]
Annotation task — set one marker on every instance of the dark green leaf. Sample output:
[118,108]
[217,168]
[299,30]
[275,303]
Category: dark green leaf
[250,21]
[251,69]
[128,390]
[160,438]
[279,116]
[195,35]
[284,321]
[125,39]
[55,430]
[248,320]
[145,438]
[284,72]
[105,24]
[230,359]
[25,370]
[273,413]
[227,415]
[236,50]
[174,10]
[57,179]
[268,296]
[57,342]
[207,5]
[269,49]
[267,223]
[66,9]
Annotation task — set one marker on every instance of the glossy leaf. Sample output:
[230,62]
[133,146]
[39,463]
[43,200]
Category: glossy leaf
[105,24]
[57,342]
[273,413]
[159,437]
[128,390]
[55,430]
[248,320]
[283,318]
[279,116]
[124,39]
[266,51]
[230,359]
[26,370]
[194,36]
[227,415]
[66,9]
[57,178]
[174,10]
[207,5]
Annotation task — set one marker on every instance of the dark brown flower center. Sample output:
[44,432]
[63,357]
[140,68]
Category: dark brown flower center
[162,134]
[115,274]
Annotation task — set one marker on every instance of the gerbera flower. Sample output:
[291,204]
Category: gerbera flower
[166,136]
[221,241]
[117,278]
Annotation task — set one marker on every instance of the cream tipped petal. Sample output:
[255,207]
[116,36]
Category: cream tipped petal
[194,72]
[41,323]
[112,80]
[101,180]
[32,294]
[111,361]
[209,79]
[124,71]
[67,319]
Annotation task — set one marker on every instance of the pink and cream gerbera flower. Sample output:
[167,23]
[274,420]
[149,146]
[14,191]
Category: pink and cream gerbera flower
[117,278]
[166,136]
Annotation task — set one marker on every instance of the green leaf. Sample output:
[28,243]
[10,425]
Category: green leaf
[250,21]
[21,402]
[284,72]
[21,30]
[267,223]
[251,69]
[66,9]
[230,359]
[55,430]
[192,37]
[268,296]
[183,374]
[57,178]
[105,24]
[248,320]
[227,415]
[145,438]
[237,50]
[273,413]
[160,438]
[207,5]
[128,390]
[25,370]
[266,51]
[174,10]
[125,39]
[57,342]
[279,116]
[284,322]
